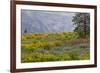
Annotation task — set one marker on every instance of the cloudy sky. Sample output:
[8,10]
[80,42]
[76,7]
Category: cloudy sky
[46,21]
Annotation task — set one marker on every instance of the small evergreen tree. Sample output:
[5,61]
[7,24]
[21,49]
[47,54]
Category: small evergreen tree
[25,31]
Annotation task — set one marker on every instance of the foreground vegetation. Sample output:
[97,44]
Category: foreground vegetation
[62,46]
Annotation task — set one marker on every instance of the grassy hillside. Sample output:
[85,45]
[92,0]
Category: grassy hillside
[62,46]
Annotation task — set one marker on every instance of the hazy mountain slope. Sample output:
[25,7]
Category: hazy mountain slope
[46,21]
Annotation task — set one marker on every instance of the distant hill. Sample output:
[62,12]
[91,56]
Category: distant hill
[46,21]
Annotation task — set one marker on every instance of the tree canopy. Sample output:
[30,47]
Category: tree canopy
[82,24]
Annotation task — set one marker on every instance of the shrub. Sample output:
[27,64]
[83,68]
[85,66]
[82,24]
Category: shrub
[85,56]
[23,38]
[74,56]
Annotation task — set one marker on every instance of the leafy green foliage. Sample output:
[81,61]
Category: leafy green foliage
[82,23]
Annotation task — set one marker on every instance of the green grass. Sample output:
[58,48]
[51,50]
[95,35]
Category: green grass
[62,46]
